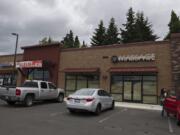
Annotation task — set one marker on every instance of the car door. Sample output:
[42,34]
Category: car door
[107,98]
[102,98]
[44,90]
[53,91]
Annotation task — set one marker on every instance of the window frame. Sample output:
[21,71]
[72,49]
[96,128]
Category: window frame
[75,78]
[142,83]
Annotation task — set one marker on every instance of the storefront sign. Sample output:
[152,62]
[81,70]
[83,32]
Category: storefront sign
[133,58]
[29,64]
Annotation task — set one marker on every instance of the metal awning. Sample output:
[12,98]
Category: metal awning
[133,69]
[81,70]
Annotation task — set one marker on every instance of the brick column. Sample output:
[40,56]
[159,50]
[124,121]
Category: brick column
[175,57]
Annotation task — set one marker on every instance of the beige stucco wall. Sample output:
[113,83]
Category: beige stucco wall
[10,58]
[90,58]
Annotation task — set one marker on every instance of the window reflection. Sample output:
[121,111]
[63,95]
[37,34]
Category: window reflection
[38,74]
[75,82]
[141,88]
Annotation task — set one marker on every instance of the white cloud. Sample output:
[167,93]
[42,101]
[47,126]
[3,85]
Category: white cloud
[35,19]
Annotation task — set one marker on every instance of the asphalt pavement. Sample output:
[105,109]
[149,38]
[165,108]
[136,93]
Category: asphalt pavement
[49,118]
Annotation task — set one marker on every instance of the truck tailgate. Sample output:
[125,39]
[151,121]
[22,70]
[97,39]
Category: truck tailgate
[7,91]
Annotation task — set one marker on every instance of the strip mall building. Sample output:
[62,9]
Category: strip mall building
[134,72]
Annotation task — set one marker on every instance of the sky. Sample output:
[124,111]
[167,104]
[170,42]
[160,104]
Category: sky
[36,19]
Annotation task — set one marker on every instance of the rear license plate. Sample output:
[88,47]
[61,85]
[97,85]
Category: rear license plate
[76,100]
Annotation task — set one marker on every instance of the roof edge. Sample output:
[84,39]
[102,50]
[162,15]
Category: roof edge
[118,45]
[41,45]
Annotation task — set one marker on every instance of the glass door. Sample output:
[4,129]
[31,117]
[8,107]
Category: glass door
[127,91]
[136,90]
[132,91]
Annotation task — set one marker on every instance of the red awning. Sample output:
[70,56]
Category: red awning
[133,69]
[81,70]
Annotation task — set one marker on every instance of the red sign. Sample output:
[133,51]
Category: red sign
[29,64]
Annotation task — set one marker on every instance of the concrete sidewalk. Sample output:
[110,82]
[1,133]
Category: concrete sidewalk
[139,106]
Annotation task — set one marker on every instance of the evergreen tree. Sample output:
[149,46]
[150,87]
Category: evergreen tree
[112,34]
[49,40]
[137,28]
[68,40]
[84,45]
[99,35]
[174,24]
[127,34]
[46,41]
[76,42]
[143,29]
[43,41]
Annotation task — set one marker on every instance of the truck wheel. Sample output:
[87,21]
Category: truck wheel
[60,98]
[98,109]
[11,102]
[28,101]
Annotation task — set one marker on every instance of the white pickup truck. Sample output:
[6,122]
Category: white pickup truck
[31,90]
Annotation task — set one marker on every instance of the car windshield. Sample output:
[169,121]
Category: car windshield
[84,92]
[30,84]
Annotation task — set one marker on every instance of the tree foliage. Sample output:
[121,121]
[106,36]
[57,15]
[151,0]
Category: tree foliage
[137,28]
[76,42]
[127,34]
[46,40]
[69,41]
[174,24]
[84,45]
[99,35]
[112,33]
[143,29]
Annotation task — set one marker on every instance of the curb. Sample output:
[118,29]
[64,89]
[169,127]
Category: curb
[138,106]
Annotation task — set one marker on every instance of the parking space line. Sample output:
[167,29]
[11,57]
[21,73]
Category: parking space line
[108,117]
[56,113]
[170,125]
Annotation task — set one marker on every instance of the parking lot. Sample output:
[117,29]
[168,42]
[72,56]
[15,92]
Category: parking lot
[53,119]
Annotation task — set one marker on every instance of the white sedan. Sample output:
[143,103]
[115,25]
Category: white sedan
[90,99]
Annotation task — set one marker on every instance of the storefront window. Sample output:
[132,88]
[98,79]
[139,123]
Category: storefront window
[70,85]
[38,74]
[75,82]
[150,99]
[93,81]
[81,81]
[117,97]
[134,88]
[8,80]
[117,84]
[1,80]
[149,88]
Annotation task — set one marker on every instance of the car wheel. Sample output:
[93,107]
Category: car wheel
[71,111]
[28,101]
[60,98]
[11,102]
[178,119]
[113,105]
[98,109]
